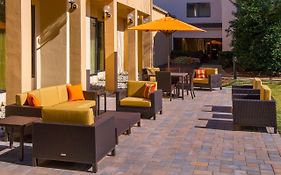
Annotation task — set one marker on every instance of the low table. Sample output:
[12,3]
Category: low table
[124,121]
[20,122]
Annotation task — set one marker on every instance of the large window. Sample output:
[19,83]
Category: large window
[2,44]
[97,46]
[198,10]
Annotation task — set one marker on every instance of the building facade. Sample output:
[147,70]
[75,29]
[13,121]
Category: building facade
[211,15]
[51,42]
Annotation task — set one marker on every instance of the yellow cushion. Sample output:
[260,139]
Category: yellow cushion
[201,80]
[62,92]
[82,116]
[152,70]
[136,88]
[258,83]
[265,93]
[49,96]
[152,78]
[77,104]
[135,101]
[211,71]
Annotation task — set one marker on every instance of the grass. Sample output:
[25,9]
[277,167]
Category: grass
[275,87]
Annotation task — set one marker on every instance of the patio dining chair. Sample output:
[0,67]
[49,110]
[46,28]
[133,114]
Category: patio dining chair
[188,84]
[164,82]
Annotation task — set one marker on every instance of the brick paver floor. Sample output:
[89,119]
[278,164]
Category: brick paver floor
[191,137]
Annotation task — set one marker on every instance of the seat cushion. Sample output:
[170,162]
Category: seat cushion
[135,102]
[77,104]
[79,116]
[201,80]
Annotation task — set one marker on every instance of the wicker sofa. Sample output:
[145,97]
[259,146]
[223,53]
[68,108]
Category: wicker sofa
[131,100]
[66,126]
[148,73]
[257,110]
[213,79]
[248,89]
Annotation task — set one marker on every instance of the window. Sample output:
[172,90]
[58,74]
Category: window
[97,46]
[198,10]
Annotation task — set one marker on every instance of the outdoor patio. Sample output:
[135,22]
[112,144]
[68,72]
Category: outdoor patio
[191,137]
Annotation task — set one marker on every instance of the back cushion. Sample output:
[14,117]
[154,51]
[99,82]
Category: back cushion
[258,83]
[62,92]
[136,88]
[49,96]
[152,70]
[211,71]
[265,93]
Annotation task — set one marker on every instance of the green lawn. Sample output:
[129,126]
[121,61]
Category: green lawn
[276,93]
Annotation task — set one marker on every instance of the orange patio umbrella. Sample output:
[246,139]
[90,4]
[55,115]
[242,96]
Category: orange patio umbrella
[167,25]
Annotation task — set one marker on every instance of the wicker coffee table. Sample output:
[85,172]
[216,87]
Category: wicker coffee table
[124,121]
[14,122]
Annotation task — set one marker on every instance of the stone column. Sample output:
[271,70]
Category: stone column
[133,49]
[77,49]
[18,48]
[110,24]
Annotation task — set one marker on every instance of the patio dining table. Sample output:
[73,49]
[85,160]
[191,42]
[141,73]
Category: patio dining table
[182,77]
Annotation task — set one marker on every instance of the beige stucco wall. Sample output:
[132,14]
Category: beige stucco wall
[227,10]
[140,5]
[53,51]
[18,48]
[161,45]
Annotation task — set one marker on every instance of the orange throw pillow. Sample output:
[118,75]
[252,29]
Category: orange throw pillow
[32,100]
[148,89]
[200,73]
[75,92]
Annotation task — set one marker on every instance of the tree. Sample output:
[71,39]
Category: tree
[257,35]
[2,10]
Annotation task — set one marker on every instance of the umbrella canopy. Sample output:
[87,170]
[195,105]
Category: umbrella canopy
[167,25]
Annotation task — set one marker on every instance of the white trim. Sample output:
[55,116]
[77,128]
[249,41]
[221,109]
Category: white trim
[67,48]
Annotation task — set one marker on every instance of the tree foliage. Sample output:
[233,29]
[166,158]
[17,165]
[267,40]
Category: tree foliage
[2,10]
[257,35]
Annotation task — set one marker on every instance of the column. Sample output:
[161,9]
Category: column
[18,48]
[133,49]
[77,50]
[110,24]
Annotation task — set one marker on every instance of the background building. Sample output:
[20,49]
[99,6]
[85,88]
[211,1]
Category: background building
[211,15]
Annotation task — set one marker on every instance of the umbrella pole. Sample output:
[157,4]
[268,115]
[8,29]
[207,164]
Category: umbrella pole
[169,35]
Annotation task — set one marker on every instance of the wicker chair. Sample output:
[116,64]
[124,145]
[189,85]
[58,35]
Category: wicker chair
[146,111]
[188,84]
[213,79]
[250,110]
[164,82]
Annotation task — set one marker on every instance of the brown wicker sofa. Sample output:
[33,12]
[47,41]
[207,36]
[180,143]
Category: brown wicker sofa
[129,100]
[257,110]
[66,126]
[248,89]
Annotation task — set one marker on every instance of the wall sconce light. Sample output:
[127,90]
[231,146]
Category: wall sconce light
[107,11]
[146,20]
[130,18]
[73,4]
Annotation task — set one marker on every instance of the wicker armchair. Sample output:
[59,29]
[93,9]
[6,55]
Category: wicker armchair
[164,82]
[254,110]
[135,103]
[213,79]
